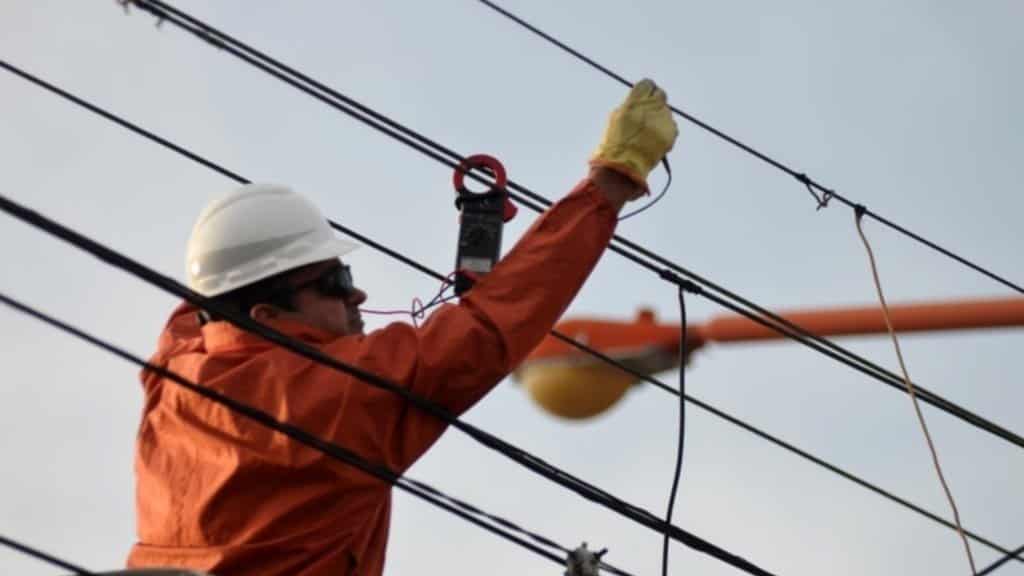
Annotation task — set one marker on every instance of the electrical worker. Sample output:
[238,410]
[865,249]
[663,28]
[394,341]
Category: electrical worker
[219,493]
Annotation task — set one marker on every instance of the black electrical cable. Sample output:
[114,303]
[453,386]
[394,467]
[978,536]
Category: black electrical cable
[527,460]
[388,126]
[40,555]
[702,405]
[1018,555]
[218,43]
[801,177]
[416,265]
[438,152]
[828,348]
[825,346]
[537,465]
[335,451]
[505,523]
[992,567]
[668,182]
[368,241]
[682,428]
[119,121]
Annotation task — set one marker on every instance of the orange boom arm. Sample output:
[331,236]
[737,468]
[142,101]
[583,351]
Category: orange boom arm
[570,383]
[869,320]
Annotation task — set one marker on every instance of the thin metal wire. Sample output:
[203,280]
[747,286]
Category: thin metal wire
[450,158]
[437,275]
[40,555]
[992,567]
[827,193]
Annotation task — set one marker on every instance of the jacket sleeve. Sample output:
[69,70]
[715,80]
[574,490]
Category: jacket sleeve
[464,350]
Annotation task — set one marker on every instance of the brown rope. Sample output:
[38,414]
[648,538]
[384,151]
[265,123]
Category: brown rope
[910,390]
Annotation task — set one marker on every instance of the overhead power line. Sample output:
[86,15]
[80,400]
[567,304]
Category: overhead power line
[682,428]
[40,555]
[336,227]
[540,545]
[416,265]
[995,565]
[657,383]
[437,275]
[826,193]
[527,460]
[665,269]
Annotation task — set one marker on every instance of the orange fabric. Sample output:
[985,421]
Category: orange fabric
[219,493]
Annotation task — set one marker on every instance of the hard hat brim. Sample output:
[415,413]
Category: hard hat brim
[333,248]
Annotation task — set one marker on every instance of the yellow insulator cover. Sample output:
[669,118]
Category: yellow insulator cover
[575,391]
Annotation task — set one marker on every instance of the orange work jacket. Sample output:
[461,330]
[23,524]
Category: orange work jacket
[219,493]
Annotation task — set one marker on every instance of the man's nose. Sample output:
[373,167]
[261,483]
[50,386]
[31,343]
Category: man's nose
[356,297]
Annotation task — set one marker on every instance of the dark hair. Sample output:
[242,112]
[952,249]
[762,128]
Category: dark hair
[272,290]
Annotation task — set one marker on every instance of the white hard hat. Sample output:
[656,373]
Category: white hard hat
[255,232]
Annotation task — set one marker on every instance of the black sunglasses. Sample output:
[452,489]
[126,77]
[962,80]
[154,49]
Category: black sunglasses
[335,282]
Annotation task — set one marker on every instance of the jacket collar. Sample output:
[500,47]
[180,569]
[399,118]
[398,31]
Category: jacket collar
[184,334]
[225,337]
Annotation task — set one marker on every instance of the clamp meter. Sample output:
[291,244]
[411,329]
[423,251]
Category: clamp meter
[482,216]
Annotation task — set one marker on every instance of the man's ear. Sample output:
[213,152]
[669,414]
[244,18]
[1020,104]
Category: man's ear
[263,312]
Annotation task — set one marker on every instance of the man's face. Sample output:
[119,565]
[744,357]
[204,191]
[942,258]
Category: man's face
[326,300]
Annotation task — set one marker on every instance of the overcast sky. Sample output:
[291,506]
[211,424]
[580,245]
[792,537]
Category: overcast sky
[912,108]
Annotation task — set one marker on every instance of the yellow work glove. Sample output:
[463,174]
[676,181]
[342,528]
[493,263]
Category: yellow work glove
[639,134]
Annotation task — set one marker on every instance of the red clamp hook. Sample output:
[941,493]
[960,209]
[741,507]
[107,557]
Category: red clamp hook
[490,163]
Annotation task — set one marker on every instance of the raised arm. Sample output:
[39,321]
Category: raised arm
[464,350]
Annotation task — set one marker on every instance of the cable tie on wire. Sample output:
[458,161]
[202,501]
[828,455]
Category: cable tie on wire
[584,562]
[670,276]
[825,198]
[822,201]
[683,284]
[859,210]
[160,16]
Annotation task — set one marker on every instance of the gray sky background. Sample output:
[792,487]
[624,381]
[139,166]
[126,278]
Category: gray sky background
[909,107]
